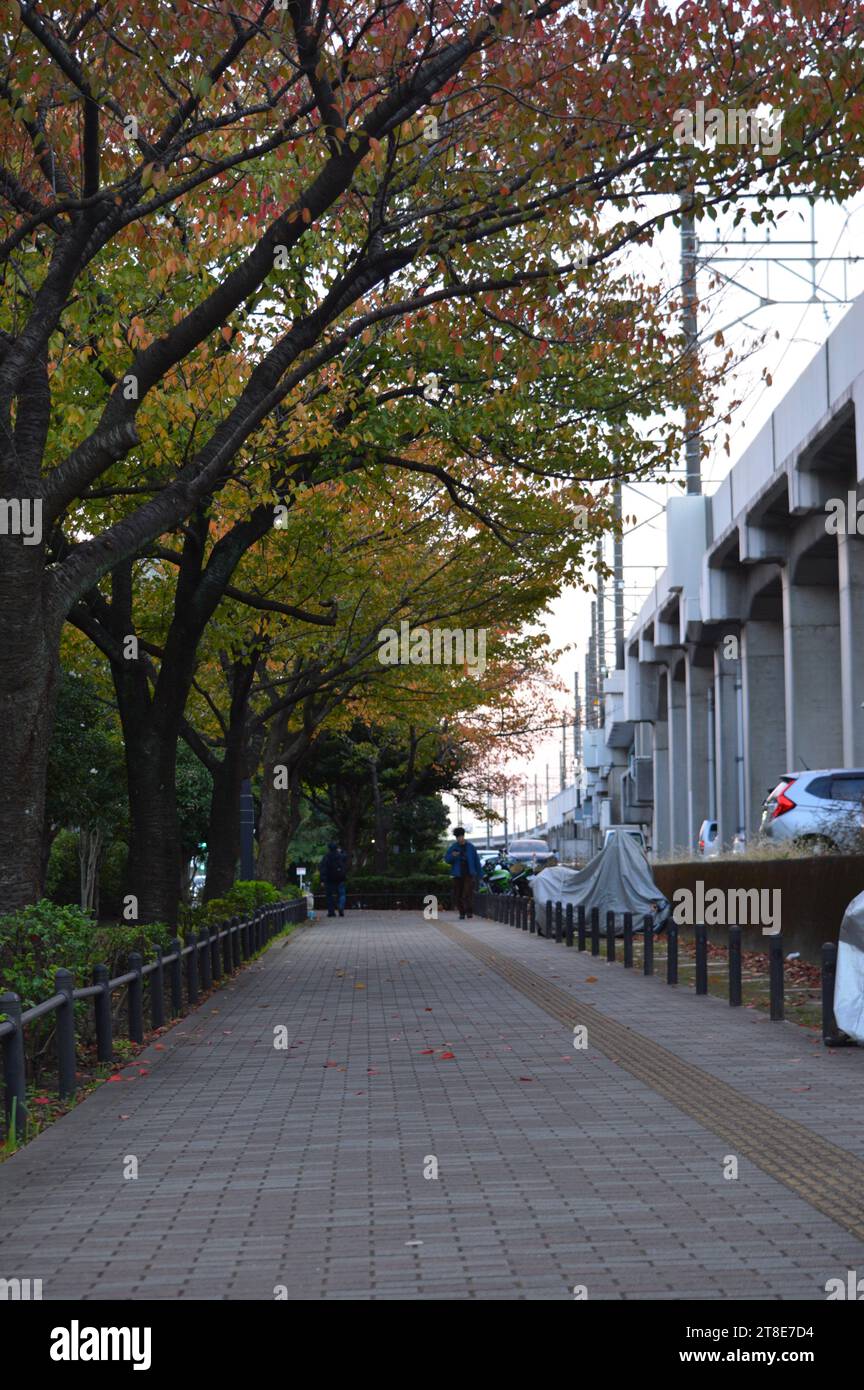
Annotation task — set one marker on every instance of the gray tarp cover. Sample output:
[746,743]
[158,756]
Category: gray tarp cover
[849,982]
[617,880]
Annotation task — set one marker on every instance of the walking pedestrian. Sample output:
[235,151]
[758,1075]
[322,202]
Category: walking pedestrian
[464,864]
[334,869]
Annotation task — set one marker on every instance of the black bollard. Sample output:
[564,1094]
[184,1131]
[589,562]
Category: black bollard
[157,991]
[628,940]
[647,945]
[580,920]
[595,931]
[610,936]
[671,953]
[568,924]
[775,976]
[102,1013]
[136,998]
[559,923]
[700,936]
[65,1034]
[734,967]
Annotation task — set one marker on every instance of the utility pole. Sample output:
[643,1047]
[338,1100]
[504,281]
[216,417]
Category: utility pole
[247,831]
[577,722]
[564,752]
[601,632]
[618,579]
[591,671]
[690,325]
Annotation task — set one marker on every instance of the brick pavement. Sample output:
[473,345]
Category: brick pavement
[303,1170]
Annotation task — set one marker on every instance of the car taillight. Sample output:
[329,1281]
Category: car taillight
[784,803]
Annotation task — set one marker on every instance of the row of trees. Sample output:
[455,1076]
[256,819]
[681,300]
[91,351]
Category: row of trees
[315,319]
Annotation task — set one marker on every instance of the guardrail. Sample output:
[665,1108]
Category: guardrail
[214,952]
[584,928]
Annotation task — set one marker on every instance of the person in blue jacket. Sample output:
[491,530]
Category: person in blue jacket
[464,864]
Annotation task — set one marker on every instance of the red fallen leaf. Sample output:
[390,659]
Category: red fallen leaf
[526,1078]
[160,1047]
[590,979]
[446,1056]
[427,1010]
[115,1078]
[427,1052]
[41,1100]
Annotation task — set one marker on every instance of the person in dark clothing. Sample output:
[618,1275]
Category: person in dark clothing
[333,871]
[464,864]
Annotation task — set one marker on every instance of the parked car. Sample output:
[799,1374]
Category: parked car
[823,808]
[708,841]
[632,830]
[530,851]
[485,855]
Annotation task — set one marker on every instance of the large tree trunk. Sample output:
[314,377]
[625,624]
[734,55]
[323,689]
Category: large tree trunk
[223,831]
[29,674]
[280,804]
[154,845]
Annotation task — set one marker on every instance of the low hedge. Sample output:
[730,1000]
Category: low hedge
[439,884]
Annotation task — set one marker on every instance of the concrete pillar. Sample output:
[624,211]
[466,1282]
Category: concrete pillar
[811,645]
[698,679]
[764,715]
[662,842]
[726,671]
[678,799]
[850,567]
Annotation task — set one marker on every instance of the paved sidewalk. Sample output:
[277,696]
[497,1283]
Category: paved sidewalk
[302,1170]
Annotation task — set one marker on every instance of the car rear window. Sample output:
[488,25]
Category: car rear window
[847,788]
[821,787]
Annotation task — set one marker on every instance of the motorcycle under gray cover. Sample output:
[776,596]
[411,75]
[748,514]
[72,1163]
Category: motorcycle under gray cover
[617,880]
[849,982]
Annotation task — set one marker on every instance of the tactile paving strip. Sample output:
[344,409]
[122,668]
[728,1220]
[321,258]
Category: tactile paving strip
[831,1179]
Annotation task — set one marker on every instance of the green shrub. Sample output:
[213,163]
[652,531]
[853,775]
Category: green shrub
[243,898]
[44,937]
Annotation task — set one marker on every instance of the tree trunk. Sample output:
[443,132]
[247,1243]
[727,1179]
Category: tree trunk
[154,844]
[223,831]
[280,805]
[29,674]
[380,854]
[89,854]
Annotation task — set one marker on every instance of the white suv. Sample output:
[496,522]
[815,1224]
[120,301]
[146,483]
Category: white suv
[822,808]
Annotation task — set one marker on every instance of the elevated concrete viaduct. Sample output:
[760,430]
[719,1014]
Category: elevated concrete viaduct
[747,659]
